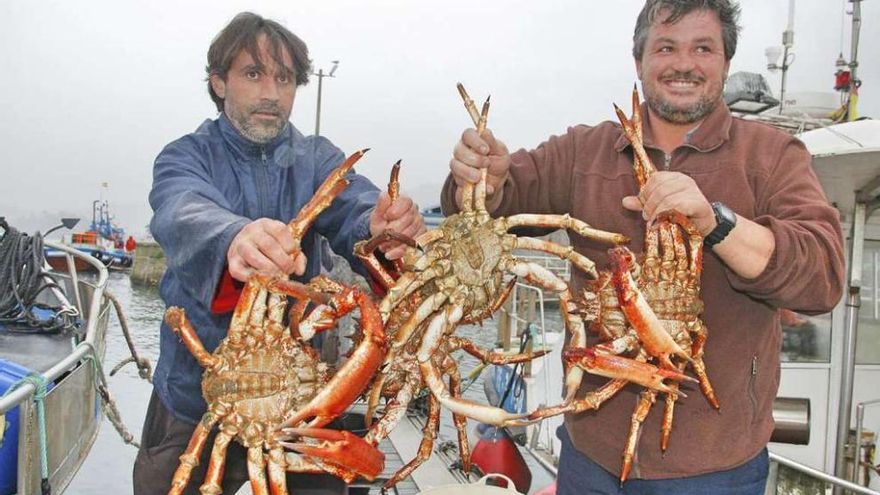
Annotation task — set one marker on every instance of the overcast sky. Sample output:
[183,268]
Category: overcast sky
[92,91]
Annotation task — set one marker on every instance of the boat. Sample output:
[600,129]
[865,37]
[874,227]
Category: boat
[104,241]
[50,375]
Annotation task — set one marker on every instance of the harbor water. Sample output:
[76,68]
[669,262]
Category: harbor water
[108,468]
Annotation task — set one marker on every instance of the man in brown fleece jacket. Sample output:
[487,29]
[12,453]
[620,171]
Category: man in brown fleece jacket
[773,241]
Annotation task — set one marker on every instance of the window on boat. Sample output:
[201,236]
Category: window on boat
[868,338]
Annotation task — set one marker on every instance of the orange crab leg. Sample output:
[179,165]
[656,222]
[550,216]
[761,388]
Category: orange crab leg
[341,449]
[332,186]
[351,379]
[176,319]
[654,338]
[611,366]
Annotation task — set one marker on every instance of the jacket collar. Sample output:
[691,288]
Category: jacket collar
[711,133]
[248,148]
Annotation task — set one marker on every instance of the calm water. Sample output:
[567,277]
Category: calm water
[107,470]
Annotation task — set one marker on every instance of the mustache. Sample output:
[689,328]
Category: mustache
[267,107]
[682,76]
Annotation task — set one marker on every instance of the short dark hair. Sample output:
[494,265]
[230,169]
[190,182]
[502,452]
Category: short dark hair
[241,34]
[727,10]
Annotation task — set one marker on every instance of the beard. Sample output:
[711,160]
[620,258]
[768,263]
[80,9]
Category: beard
[256,130]
[680,114]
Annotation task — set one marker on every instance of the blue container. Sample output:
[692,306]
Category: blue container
[10,373]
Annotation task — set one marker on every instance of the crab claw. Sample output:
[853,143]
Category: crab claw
[341,449]
[653,336]
[611,366]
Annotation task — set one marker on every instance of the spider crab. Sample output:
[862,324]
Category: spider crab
[455,275]
[648,309]
[262,375]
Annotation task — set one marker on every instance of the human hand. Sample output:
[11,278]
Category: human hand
[264,245]
[666,191]
[474,152]
[401,216]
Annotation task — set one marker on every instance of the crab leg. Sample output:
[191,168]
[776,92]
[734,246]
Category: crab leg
[355,374]
[646,400]
[437,328]
[214,474]
[429,436]
[585,264]
[277,477]
[546,279]
[176,319]
[326,193]
[492,357]
[190,457]
[256,467]
[350,455]
[618,367]
[565,222]
[450,367]
[655,339]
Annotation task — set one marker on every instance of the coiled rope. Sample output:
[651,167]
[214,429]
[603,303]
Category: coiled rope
[22,279]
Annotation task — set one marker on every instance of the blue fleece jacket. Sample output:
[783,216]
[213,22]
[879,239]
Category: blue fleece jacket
[206,187]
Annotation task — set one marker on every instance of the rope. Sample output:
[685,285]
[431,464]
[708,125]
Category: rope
[41,386]
[145,369]
[22,279]
[108,405]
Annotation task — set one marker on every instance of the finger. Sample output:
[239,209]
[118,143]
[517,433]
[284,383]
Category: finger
[299,264]
[463,173]
[632,203]
[257,260]
[277,255]
[469,156]
[395,252]
[496,146]
[238,270]
[470,139]
[281,234]
[408,225]
[400,207]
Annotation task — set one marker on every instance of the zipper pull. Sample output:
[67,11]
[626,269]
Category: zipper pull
[754,365]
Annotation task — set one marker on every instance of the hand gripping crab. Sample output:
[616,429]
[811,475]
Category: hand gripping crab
[650,310]
[453,275]
[262,375]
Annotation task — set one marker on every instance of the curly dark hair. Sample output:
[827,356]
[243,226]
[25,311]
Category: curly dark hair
[241,34]
[727,10]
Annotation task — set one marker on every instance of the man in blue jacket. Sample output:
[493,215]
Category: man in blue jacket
[221,198]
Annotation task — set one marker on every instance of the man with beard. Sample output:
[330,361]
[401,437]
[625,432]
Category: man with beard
[221,198]
[772,240]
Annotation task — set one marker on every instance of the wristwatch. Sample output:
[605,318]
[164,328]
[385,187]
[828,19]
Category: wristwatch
[726,221]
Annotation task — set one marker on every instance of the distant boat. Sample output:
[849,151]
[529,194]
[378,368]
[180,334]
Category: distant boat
[104,241]
[433,216]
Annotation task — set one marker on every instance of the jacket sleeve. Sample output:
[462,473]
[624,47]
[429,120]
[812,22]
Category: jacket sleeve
[539,180]
[191,220]
[806,271]
[347,220]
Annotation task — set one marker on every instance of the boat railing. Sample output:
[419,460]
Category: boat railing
[87,346]
[849,486]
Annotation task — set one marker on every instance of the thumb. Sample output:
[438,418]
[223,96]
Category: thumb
[632,203]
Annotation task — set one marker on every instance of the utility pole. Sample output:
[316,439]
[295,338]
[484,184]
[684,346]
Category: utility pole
[321,75]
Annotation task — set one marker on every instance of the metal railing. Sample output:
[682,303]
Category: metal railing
[26,391]
[815,473]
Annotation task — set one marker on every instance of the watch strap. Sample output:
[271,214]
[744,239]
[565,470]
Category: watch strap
[725,220]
